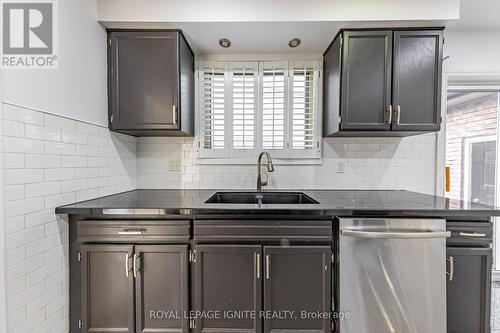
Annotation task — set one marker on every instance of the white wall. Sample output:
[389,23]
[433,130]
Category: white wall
[275,10]
[472,51]
[77,89]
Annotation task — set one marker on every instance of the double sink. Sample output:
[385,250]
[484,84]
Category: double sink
[277,198]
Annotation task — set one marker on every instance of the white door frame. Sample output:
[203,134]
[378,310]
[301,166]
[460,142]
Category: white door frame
[467,162]
[478,82]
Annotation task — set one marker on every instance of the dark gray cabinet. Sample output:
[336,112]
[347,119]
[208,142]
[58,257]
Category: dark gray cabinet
[239,279]
[469,289]
[366,79]
[416,84]
[228,278]
[151,83]
[107,288]
[134,289]
[161,288]
[383,82]
[297,279]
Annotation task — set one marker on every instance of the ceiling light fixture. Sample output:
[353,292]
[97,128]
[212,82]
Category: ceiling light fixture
[294,42]
[224,42]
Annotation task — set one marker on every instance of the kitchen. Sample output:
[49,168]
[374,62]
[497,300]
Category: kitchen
[255,160]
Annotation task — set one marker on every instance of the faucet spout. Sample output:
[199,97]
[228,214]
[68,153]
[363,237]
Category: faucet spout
[269,166]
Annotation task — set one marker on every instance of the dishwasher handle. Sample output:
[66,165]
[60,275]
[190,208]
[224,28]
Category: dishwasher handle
[395,235]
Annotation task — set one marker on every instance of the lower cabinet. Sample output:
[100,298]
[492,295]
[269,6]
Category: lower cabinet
[469,289]
[264,289]
[127,288]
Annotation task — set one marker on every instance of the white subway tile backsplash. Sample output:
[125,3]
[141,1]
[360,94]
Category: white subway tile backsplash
[23,176]
[51,161]
[59,174]
[73,137]
[368,163]
[87,150]
[13,128]
[59,148]
[13,192]
[13,161]
[41,161]
[22,145]
[42,189]
[42,133]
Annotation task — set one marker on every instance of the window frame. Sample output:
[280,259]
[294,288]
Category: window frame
[287,155]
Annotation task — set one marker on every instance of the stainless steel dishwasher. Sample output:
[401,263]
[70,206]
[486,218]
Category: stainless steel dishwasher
[392,275]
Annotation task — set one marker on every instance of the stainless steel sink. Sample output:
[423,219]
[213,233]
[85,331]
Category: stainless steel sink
[284,198]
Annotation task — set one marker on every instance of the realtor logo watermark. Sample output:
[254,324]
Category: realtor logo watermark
[29,30]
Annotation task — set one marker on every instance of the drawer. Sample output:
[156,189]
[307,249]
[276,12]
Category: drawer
[470,233]
[136,231]
[262,230]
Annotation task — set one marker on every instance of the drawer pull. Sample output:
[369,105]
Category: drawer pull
[471,234]
[131,232]
[451,273]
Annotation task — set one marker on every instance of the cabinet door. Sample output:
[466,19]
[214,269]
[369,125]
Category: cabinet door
[416,94]
[469,289]
[297,279]
[228,278]
[144,80]
[161,287]
[107,288]
[366,80]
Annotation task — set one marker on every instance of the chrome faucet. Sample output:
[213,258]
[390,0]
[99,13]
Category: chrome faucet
[270,168]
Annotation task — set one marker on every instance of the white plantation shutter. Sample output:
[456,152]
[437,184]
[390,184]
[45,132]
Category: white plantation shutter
[248,107]
[213,108]
[273,104]
[304,105]
[244,105]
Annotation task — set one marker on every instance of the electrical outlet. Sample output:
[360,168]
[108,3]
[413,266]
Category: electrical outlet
[174,165]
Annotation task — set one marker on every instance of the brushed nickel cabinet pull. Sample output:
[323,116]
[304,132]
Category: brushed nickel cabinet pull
[471,234]
[135,265]
[126,265]
[131,232]
[268,267]
[174,114]
[257,258]
[388,115]
[397,117]
[452,269]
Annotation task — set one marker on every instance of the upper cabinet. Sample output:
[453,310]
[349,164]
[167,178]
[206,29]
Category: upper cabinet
[151,83]
[383,83]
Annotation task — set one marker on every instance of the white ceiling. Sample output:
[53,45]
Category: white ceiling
[478,15]
[264,38]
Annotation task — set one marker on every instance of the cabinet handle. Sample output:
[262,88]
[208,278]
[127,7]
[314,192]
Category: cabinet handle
[257,258]
[452,269]
[135,265]
[388,115]
[126,265]
[471,234]
[397,117]
[268,266]
[174,114]
[131,232]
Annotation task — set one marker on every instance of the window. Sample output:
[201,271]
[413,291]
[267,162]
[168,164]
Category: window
[247,107]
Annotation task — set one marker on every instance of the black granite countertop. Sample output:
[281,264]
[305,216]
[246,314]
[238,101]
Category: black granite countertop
[331,202]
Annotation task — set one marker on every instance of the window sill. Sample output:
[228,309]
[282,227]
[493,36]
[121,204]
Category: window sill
[276,161]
